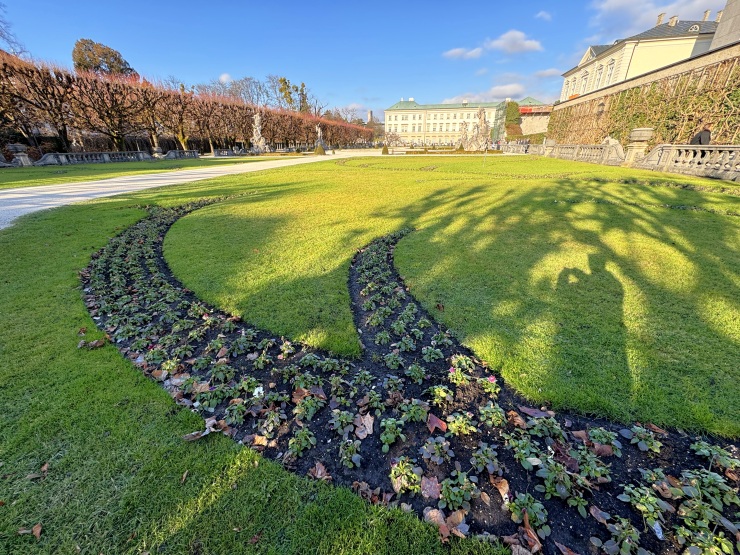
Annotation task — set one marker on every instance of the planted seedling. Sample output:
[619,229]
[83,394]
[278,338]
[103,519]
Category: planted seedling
[492,415]
[436,450]
[643,438]
[363,378]
[648,505]
[431,354]
[625,539]
[526,451]
[461,424]
[416,372]
[349,453]
[441,339]
[235,414]
[341,422]
[302,441]
[382,338]
[414,410]
[405,476]
[536,513]
[271,422]
[308,407]
[393,360]
[392,431]
[457,491]
[716,455]
[486,457]
[406,344]
[441,395]
[490,386]
[605,437]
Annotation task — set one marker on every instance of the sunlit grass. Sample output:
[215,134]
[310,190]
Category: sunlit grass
[586,287]
[113,438]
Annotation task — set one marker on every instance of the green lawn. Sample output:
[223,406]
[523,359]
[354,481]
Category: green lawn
[605,290]
[50,175]
[647,326]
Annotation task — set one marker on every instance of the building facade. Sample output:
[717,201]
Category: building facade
[412,124]
[665,44]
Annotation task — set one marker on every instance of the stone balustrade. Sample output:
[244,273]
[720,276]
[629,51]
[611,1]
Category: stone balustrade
[181,154]
[720,161]
[65,158]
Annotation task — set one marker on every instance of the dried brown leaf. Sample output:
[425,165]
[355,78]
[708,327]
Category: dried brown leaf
[502,485]
[318,472]
[485,498]
[582,435]
[317,391]
[196,435]
[437,517]
[598,514]
[601,450]
[652,427]
[430,487]
[299,394]
[565,550]
[536,413]
[433,423]
[184,477]
[516,420]
[534,541]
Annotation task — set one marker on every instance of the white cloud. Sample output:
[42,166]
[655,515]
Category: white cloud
[543,15]
[552,72]
[481,71]
[622,18]
[463,53]
[224,78]
[494,94]
[513,41]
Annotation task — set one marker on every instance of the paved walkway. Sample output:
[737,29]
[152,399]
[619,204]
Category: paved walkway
[23,200]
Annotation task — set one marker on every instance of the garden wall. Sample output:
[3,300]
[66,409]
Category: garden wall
[675,101]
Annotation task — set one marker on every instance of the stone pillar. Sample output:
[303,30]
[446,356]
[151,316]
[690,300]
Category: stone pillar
[637,147]
[20,154]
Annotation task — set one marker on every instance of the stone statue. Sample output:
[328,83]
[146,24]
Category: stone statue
[259,144]
[320,137]
[478,137]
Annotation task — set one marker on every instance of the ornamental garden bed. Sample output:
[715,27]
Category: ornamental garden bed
[417,421]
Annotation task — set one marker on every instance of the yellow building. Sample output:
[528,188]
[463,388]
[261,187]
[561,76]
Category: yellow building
[410,123]
[664,44]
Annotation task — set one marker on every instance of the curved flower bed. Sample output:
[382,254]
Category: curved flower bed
[417,422]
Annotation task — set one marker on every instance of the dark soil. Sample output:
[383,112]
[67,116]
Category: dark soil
[201,356]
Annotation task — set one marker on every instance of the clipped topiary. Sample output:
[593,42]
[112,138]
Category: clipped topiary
[319,150]
[385,150]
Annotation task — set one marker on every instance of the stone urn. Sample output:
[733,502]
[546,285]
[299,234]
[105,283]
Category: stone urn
[641,134]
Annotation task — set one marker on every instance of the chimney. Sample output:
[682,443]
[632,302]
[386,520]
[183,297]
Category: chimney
[411,98]
[401,99]
[660,19]
[672,22]
[719,16]
[706,15]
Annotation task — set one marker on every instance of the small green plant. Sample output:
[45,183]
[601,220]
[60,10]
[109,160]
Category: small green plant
[490,386]
[648,505]
[441,395]
[302,441]
[462,362]
[341,422]
[441,339]
[423,323]
[590,465]
[417,334]
[375,401]
[643,438]
[431,354]
[548,428]
[382,338]
[363,378]
[271,421]
[526,451]
[399,326]
[457,492]
[406,344]
[414,410]
[536,512]
[310,359]
[308,407]
[416,372]
[486,458]
[492,415]
[558,482]
[461,424]
[234,414]
[222,373]
[716,455]
[605,437]
[405,476]
[436,450]
[349,453]
[392,383]
[392,431]
[625,539]
[262,361]
[393,360]
[457,377]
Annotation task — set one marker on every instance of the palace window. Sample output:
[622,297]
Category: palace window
[597,81]
[609,72]
[584,82]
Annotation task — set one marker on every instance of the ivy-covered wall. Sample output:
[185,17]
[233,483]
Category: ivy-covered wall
[676,106]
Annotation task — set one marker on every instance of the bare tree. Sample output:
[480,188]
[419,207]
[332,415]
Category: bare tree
[8,37]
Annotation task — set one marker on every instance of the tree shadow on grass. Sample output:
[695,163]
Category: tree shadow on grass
[494,265]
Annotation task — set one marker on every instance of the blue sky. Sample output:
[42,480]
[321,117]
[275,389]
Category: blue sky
[363,55]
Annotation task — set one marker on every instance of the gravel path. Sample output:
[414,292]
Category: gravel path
[17,202]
